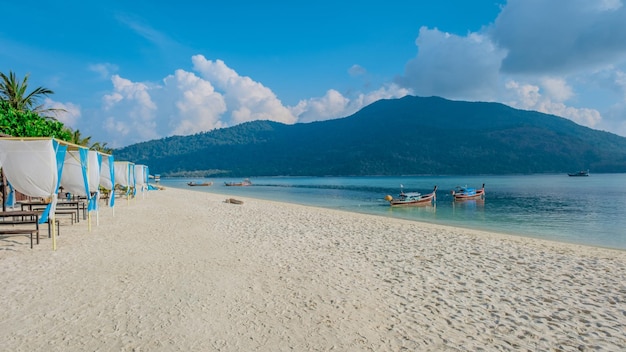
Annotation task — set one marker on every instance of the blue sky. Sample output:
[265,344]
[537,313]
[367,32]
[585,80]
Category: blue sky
[128,72]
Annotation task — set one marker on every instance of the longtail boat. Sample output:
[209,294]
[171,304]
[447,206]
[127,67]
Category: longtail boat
[199,184]
[245,182]
[466,193]
[412,199]
[580,173]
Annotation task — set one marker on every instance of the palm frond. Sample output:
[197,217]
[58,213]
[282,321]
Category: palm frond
[14,92]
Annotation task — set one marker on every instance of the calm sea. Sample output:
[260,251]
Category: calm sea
[584,210]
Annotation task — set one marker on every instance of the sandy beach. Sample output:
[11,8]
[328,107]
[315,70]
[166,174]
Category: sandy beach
[181,270]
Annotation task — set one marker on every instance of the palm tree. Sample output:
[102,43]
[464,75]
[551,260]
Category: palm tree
[14,92]
[101,147]
[79,140]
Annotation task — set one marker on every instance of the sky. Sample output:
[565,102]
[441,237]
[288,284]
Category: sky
[132,71]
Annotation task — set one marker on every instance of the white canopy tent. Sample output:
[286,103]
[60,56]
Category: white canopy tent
[34,167]
[125,176]
[107,176]
[141,178]
[81,176]
[93,167]
[37,167]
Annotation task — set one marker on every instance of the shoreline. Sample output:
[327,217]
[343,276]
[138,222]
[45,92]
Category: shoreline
[502,232]
[182,270]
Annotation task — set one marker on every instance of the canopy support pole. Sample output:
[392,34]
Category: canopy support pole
[54,233]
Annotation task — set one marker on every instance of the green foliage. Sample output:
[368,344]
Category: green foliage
[19,123]
[101,147]
[78,139]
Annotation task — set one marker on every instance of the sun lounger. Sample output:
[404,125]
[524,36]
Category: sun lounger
[30,232]
[14,218]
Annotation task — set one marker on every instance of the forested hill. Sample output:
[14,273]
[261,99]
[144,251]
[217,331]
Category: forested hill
[407,136]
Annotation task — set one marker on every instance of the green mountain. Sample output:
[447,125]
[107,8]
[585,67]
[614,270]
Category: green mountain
[407,136]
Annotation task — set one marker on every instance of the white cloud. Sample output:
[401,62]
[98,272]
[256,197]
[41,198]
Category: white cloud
[104,70]
[560,37]
[131,113]
[529,97]
[146,31]
[111,100]
[197,106]
[69,117]
[388,91]
[532,57]
[609,5]
[356,70]
[526,95]
[614,119]
[620,81]
[332,105]
[454,67]
[247,100]
[186,103]
[557,88]
[614,116]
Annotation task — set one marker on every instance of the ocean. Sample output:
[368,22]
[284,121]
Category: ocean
[582,210]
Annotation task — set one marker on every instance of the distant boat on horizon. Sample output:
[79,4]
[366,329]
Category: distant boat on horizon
[200,184]
[245,182]
[579,173]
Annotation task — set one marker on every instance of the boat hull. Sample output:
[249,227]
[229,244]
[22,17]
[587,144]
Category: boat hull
[246,182]
[412,203]
[461,196]
[582,173]
[191,184]
[406,200]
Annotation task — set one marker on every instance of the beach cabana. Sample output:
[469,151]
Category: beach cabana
[81,176]
[125,176]
[141,178]
[34,167]
[107,176]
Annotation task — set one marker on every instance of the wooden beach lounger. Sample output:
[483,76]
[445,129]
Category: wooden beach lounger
[14,218]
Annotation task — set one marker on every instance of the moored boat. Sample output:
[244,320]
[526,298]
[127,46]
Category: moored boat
[466,193]
[580,173]
[199,184]
[245,182]
[412,199]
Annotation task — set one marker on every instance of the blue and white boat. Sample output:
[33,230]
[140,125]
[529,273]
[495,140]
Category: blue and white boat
[466,193]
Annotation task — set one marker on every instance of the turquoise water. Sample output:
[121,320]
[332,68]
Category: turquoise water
[584,210]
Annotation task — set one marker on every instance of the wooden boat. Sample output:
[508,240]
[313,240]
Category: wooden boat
[580,173]
[200,184]
[465,193]
[245,182]
[412,199]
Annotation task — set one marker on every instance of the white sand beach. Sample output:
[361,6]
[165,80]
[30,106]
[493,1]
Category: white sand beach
[185,271]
